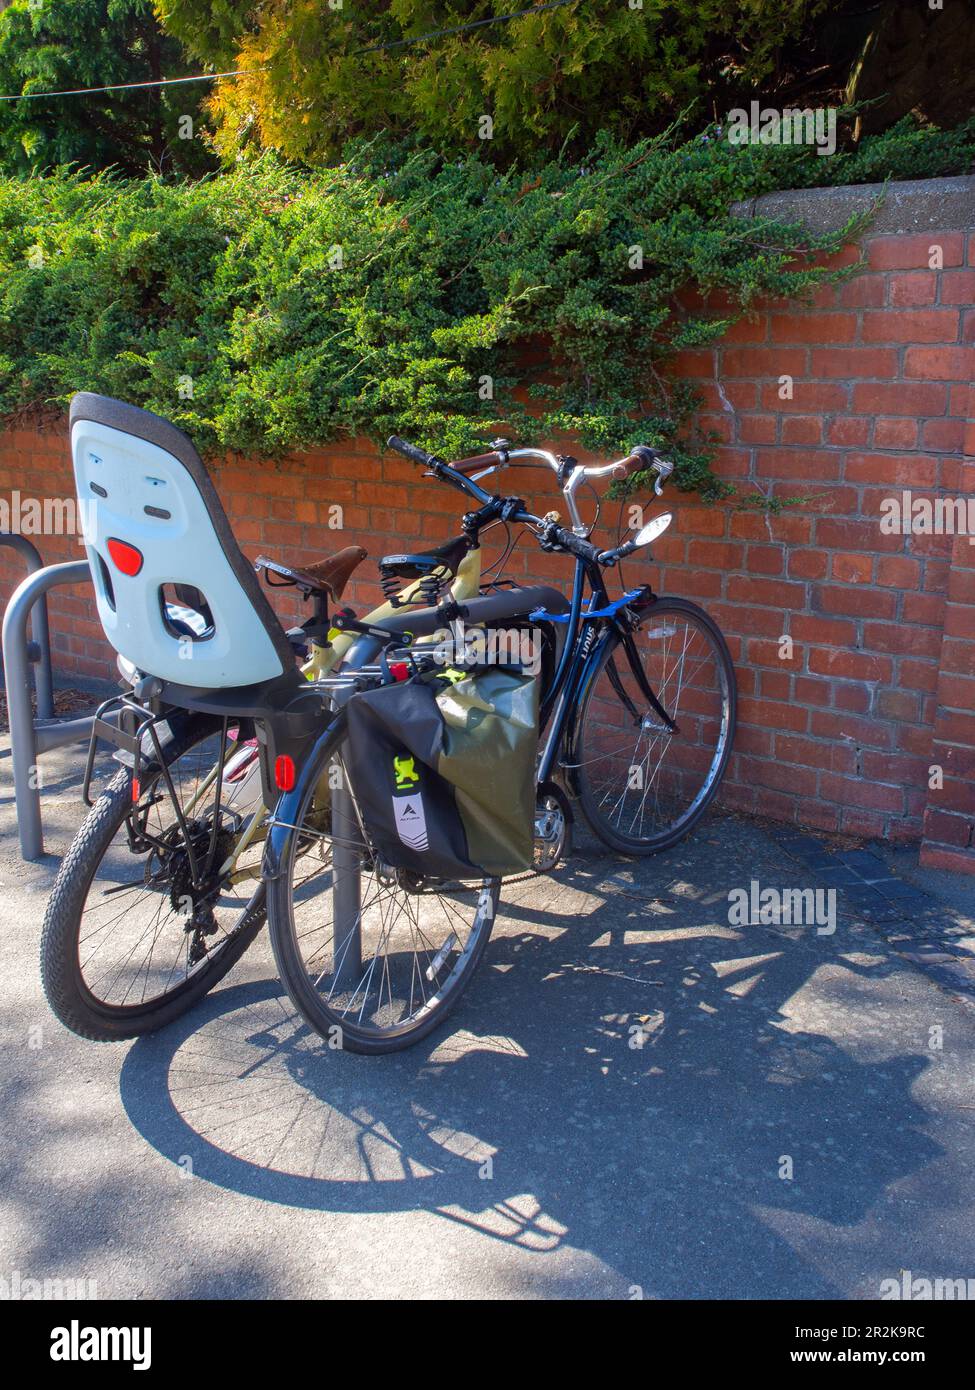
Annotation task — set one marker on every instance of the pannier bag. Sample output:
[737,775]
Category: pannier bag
[443,769]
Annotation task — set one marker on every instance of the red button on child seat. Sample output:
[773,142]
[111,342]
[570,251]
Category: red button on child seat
[284,773]
[399,670]
[126,557]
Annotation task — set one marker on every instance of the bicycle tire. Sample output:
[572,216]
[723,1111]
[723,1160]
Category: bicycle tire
[586,790]
[67,993]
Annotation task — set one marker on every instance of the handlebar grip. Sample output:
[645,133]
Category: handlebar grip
[411,451]
[471,465]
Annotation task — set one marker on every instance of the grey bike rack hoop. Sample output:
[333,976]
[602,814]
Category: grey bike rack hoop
[30,737]
[40,649]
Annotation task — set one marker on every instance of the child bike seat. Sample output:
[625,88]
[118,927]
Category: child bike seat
[156,535]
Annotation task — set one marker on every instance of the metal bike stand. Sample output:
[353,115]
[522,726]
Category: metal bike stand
[346,868]
[30,737]
[39,650]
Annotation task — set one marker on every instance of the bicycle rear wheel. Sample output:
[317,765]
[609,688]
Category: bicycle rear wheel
[642,787]
[373,957]
[129,942]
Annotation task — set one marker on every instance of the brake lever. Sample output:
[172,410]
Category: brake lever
[664,469]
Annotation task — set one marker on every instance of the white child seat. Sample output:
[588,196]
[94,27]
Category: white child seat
[157,537]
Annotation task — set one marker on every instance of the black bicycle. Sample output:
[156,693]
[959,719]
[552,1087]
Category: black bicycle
[637,713]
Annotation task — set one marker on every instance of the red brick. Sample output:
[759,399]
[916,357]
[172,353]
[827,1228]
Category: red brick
[789,526]
[923,675]
[763,362]
[807,564]
[813,328]
[715,554]
[802,429]
[866,291]
[813,692]
[834,757]
[851,791]
[765,559]
[852,696]
[947,363]
[899,252]
[863,824]
[767,592]
[702,521]
[849,665]
[959,618]
[943,435]
[853,363]
[832,631]
[773,715]
[924,609]
[757,429]
[751,329]
[911,326]
[913,289]
[897,571]
[897,704]
[957,655]
[958,287]
[955,861]
[814,465]
[838,534]
[894,433]
[898,398]
[807,396]
[851,430]
[852,568]
[763,652]
[891,470]
[957,794]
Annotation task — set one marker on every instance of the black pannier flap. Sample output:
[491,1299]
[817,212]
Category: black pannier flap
[443,770]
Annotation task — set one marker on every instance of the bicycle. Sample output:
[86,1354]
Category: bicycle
[160,892]
[374,958]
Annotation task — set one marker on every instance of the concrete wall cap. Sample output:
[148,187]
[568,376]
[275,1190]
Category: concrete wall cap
[918,205]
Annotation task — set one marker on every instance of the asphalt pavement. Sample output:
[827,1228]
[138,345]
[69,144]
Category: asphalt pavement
[637,1097]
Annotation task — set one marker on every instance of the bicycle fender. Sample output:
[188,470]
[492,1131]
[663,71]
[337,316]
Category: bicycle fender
[284,818]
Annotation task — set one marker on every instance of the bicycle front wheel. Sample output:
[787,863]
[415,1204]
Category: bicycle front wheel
[373,957]
[641,785]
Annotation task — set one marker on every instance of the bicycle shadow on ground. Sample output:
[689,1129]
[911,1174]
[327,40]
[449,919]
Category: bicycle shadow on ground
[634,1092]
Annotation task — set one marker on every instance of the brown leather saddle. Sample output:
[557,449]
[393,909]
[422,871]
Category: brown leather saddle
[326,577]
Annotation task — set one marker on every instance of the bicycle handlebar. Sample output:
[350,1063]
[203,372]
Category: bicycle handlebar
[437,467]
[641,458]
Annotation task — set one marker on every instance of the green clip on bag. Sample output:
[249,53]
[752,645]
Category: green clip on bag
[443,769]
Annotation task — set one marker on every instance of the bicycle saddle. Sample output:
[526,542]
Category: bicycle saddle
[328,576]
[447,556]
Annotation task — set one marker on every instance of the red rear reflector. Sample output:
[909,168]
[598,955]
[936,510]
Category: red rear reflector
[136,790]
[399,670]
[284,773]
[126,557]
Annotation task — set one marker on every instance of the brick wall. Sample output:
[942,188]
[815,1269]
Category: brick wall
[841,732]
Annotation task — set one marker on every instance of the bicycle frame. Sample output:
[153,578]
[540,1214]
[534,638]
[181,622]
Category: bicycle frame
[583,649]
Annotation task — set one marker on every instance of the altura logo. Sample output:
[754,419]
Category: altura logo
[77,1343]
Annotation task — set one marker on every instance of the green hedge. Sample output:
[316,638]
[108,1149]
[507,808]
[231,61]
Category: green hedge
[379,295]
